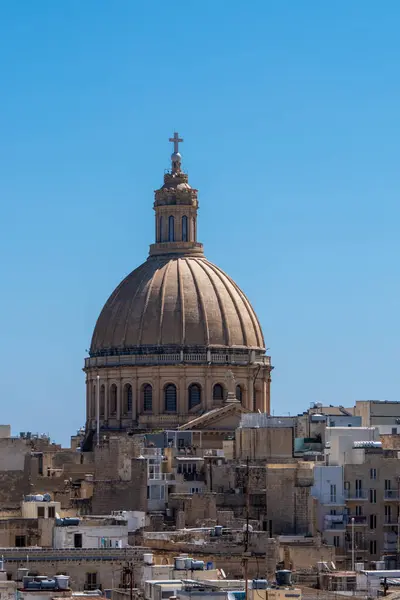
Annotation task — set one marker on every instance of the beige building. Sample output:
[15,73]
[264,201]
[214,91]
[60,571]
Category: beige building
[177,337]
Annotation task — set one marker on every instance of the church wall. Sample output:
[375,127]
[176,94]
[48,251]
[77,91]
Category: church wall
[182,376]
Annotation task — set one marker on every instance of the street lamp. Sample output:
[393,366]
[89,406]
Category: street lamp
[98,410]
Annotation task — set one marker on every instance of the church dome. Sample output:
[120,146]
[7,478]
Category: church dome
[176,302]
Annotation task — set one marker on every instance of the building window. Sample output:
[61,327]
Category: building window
[194,395]
[388,485]
[239,394]
[127,399]
[184,229]
[372,547]
[41,512]
[347,485]
[170,397]
[218,392]
[333,492]
[372,496]
[336,541]
[91,581]
[388,514]
[94,400]
[102,400]
[372,473]
[51,512]
[160,230]
[359,491]
[113,399]
[372,521]
[77,540]
[147,397]
[359,511]
[194,228]
[394,430]
[171,229]
[20,541]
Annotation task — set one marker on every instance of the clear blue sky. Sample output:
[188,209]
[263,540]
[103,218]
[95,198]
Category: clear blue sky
[290,114]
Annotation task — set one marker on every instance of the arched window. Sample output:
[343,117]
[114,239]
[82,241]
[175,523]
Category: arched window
[194,228]
[239,393]
[102,400]
[184,229]
[113,399]
[127,399]
[218,392]
[94,399]
[194,395]
[147,391]
[170,397]
[171,229]
[160,230]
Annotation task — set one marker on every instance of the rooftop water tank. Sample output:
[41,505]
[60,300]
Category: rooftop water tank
[180,562]
[49,584]
[218,530]
[188,563]
[46,498]
[148,559]
[21,573]
[26,580]
[197,565]
[62,581]
[259,584]
[284,577]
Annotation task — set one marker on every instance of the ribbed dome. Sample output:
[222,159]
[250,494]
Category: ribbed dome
[179,301]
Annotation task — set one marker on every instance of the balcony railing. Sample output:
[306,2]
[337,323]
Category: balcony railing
[358,520]
[392,521]
[355,494]
[392,495]
[181,357]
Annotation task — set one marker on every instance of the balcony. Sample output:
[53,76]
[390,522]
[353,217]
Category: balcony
[358,520]
[392,495]
[391,522]
[358,548]
[355,495]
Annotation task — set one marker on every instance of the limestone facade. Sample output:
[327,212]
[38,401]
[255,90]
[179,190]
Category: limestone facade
[123,402]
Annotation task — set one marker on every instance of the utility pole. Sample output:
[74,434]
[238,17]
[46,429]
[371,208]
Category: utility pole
[246,536]
[398,523]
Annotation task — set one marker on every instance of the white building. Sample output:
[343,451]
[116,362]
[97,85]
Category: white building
[91,532]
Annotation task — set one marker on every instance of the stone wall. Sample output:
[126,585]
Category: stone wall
[116,493]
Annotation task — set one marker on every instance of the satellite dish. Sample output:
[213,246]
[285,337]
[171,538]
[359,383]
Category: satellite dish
[248,528]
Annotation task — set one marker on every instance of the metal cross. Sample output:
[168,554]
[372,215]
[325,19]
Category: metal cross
[176,139]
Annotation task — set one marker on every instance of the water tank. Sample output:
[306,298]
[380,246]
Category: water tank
[33,585]
[180,563]
[70,522]
[218,530]
[37,498]
[21,573]
[49,584]
[380,565]
[188,563]
[62,581]
[259,584]
[359,566]
[284,577]
[197,565]
[26,580]
[46,498]
[209,566]
[148,559]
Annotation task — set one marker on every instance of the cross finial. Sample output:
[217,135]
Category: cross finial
[176,139]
